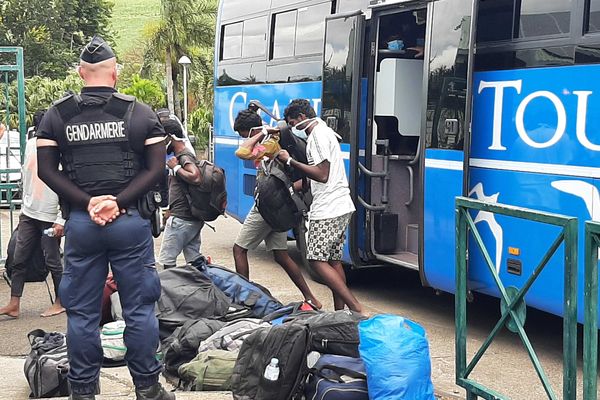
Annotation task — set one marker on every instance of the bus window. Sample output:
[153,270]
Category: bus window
[232,41]
[242,8]
[255,32]
[352,5]
[544,17]
[446,99]
[593,21]
[284,32]
[311,29]
[299,32]
[511,19]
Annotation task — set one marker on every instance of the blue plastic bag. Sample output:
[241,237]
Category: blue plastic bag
[395,351]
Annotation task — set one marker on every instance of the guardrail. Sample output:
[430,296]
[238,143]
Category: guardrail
[513,310]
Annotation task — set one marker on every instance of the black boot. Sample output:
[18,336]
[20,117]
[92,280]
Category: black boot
[75,396]
[154,392]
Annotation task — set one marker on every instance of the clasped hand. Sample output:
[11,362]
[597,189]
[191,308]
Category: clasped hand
[104,209]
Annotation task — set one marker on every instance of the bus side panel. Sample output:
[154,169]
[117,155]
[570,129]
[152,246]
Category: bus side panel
[443,182]
[229,101]
[515,244]
[535,145]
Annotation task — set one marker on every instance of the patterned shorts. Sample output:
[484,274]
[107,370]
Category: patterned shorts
[326,238]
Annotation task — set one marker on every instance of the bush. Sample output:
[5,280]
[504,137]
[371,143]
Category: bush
[147,91]
[200,124]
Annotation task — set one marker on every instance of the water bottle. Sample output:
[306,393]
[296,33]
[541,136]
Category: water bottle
[49,232]
[272,370]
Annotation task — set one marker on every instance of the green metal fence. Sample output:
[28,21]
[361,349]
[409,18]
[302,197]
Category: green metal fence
[513,310]
[11,72]
[590,302]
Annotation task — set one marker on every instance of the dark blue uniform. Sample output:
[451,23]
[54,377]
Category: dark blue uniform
[102,150]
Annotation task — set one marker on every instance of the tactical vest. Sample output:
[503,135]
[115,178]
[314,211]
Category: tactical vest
[94,142]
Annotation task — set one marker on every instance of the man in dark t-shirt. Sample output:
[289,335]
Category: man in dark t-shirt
[111,149]
[182,230]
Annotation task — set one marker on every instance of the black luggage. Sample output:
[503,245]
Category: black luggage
[337,378]
[335,333]
[289,344]
[47,365]
[182,346]
[188,294]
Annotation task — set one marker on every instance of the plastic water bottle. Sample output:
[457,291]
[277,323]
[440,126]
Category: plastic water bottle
[49,232]
[272,370]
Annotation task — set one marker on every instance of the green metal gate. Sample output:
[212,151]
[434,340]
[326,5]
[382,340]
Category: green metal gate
[512,298]
[11,73]
[590,302]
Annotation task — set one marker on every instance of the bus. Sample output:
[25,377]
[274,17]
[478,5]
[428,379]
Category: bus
[491,99]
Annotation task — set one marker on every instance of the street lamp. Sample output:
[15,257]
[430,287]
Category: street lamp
[185,62]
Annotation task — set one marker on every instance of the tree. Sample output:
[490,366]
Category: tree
[146,91]
[52,33]
[185,25]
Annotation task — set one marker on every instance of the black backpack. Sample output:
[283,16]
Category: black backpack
[208,200]
[188,294]
[36,264]
[182,346]
[289,343]
[277,202]
[297,149]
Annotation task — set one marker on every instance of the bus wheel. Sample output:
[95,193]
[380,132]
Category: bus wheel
[301,235]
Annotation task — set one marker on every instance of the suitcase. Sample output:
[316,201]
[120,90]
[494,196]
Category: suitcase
[337,378]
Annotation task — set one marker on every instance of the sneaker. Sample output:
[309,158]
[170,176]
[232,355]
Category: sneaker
[154,392]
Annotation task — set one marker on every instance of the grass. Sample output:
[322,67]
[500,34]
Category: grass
[128,21]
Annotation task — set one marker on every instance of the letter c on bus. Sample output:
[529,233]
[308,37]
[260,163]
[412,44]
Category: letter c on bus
[561,122]
[244,97]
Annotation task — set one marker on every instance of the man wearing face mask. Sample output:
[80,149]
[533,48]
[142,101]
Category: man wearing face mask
[255,229]
[182,230]
[332,205]
[112,152]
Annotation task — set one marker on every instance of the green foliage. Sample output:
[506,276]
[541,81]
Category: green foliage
[40,93]
[200,123]
[52,33]
[146,91]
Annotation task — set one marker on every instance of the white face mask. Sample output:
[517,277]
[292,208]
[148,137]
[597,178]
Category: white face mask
[301,133]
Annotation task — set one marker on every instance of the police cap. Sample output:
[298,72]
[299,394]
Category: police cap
[97,50]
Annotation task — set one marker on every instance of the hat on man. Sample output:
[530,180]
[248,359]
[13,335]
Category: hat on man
[173,129]
[97,50]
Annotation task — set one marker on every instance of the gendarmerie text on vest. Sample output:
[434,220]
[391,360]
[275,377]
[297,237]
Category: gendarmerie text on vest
[87,132]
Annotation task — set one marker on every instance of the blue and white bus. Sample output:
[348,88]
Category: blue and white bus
[432,102]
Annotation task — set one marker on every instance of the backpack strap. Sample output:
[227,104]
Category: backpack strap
[68,107]
[36,333]
[121,106]
[279,174]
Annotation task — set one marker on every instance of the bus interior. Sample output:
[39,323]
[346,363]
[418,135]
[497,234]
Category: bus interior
[397,115]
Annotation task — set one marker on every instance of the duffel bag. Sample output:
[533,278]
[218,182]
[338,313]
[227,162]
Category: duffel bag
[231,336]
[240,290]
[335,333]
[290,312]
[47,365]
[337,378]
[209,371]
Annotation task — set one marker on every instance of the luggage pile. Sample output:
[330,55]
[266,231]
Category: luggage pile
[222,332]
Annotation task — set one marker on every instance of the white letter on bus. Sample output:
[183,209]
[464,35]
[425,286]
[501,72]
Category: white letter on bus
[244,97]
[582,97]
[561,122]
[498,99]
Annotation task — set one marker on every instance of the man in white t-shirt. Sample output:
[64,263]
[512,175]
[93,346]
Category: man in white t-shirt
[332,205]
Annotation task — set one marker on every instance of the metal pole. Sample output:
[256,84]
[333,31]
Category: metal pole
[185,99]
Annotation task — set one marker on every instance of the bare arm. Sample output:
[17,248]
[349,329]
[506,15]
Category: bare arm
[319,173]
